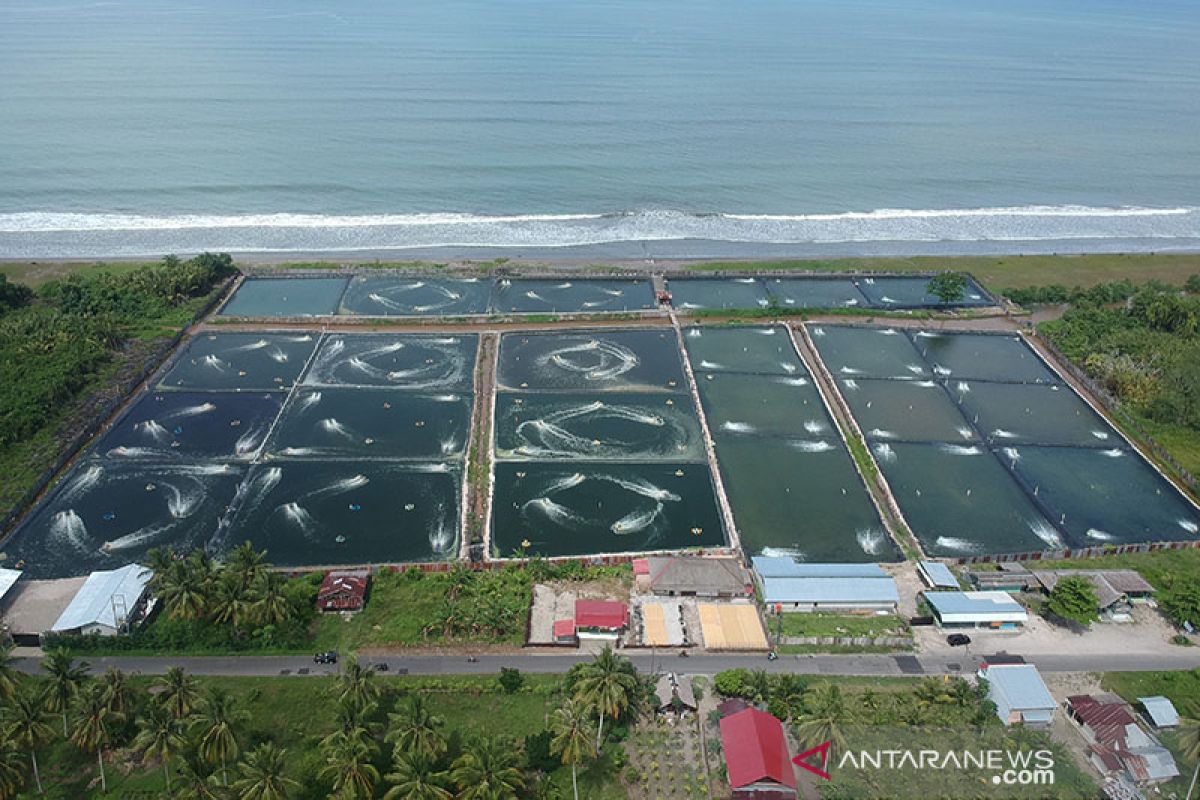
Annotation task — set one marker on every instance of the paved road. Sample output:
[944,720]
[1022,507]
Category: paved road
[894,665]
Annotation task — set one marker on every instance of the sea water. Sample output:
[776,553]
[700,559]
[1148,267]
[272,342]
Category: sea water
[144,127]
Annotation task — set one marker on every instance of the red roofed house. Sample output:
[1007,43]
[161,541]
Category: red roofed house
[601,617]
[343,590]
[564,631]
[756,756]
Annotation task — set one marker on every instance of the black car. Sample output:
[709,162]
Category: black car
[958,639]
[328,657]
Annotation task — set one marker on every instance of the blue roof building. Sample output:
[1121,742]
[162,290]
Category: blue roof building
[937,575]
[788,567]
[873,595]
[976,609]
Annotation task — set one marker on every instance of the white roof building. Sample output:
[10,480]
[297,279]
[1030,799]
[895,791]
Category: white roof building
[988,609]
[106,602]
[8,578]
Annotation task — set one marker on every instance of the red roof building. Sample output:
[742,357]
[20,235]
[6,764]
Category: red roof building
[756,755]
[343,590]
[601,615]
[564,630]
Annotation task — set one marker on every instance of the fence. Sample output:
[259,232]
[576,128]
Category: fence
[849,641]
[102,415]
[1080,552]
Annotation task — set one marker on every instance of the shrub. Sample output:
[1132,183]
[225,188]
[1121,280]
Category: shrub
[511,680]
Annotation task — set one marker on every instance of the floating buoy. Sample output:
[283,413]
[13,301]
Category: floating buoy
[368,440]
[420,423]
[678,473]
[386,404]
[525,543]
[241,373]
[175,444]
[671,383]
[235,423]
[109,517]
[409,506]
[339,539]
[520,474]
[697,531]
[670,402]
[178,430]
[150,487]
[355,507]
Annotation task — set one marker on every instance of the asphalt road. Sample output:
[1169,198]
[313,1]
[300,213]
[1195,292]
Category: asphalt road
[884,665]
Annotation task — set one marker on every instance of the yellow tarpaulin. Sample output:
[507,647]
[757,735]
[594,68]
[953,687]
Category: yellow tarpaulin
[656,627]
[731,627]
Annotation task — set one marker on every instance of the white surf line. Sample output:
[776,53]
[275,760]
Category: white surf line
[1036,344]
[710,449]
[825,382]
[491,446]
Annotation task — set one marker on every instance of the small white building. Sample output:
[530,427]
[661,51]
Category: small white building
[1020,696]
[107,603]
[995,610]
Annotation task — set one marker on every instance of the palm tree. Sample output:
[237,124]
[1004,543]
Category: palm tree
[65,677]
[9,677]
[415,729]
[1187,737]
[116,690]
[177,692]
[26,727]
[348,757]
[272,606]
[414,776]
[91,730]
[571,741]
[488,770]
[159,736]
[12,772]
[245,564]
[198,781]
[230,605]
[217,721]
[355,685]
[607,685]
[824,713]
[158,564]
[263,775]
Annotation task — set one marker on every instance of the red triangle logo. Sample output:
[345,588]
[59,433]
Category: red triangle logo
[821,750]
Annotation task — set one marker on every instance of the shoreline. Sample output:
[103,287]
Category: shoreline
[650,251]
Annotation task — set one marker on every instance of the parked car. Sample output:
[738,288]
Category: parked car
[328,657]
[958,639]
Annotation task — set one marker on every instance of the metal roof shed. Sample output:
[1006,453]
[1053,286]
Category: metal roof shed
[937,575]
[756,752]
[106,602]
[1160,710]
[818,594]
[8,578]
[787,567]
[1019,694]
[976,608]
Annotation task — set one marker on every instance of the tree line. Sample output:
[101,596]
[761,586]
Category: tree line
[197,735]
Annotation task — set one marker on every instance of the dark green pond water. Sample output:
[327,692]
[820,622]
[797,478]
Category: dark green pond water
[286,297]
[416,296]
[558,296]
[241,361]
[106,515]
[744,350]
[571,509]
[588,361]
[631,427]
[425,363]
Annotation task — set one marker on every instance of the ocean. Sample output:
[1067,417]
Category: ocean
[626,128]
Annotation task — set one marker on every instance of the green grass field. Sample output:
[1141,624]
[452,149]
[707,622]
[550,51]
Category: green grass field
[837,625]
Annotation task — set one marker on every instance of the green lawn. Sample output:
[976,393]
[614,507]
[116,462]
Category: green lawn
[837,625]
[1181,441]
[294,713]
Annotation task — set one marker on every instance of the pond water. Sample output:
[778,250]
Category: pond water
[166,426]
[416,296]
[425,363]
[558,296]
[585,507]
[1098,496]
[1023,413]
[692,294]
[631,427]
[598,360]
[865,352]
[789,479]
[105,515]
[359,423]
[321,513]
[241,361]
[910,411]
[286,297]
